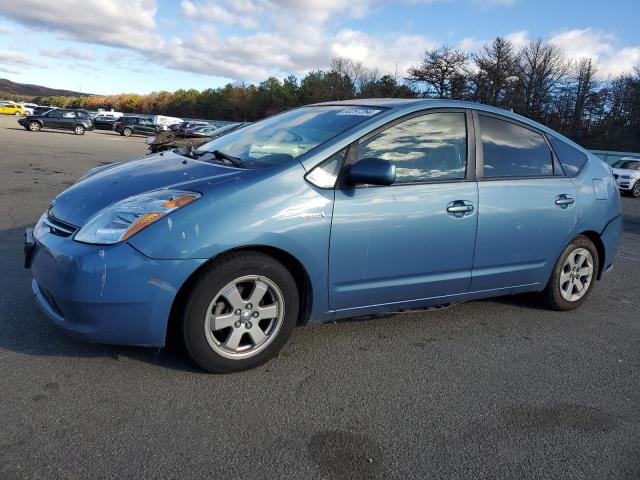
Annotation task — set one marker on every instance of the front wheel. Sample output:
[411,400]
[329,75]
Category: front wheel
[240,313]
[79,130]
[34,126]
[17,114]
[573,276]
[127,132]
[635,191]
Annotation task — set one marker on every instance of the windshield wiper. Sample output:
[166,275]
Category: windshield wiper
[224,156]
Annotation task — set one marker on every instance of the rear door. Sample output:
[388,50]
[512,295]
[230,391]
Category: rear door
[414,239]
[526,205]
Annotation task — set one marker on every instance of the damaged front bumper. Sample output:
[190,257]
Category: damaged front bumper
[105,294]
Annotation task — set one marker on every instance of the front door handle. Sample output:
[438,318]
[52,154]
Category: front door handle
[564,200]
[460,208]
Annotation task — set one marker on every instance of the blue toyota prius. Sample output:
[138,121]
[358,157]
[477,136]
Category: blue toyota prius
[323,212]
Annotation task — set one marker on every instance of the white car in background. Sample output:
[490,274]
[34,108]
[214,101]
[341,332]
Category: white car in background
[28,107]
[626,171]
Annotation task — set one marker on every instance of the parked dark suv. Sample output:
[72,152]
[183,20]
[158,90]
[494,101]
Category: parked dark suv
[78,121]
[127,126]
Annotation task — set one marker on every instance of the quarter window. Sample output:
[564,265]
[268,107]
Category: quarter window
[572,159]
[509,150]
[430,147]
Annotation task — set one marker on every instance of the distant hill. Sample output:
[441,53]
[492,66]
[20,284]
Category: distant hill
[7,86]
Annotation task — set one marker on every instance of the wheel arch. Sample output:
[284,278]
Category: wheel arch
[599,244]
[295,267]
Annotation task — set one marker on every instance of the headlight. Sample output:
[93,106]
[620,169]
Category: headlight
[127,217]
[626,177]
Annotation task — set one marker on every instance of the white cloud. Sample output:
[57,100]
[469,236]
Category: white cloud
[602,47]
[121,23]
[518,39]
[6,29]
[72,53]
[495,3]
[470,44]
[585,43]
[621,62]
[385,53]
[8,57]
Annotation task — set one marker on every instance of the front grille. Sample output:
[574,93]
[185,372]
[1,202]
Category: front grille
[58,227]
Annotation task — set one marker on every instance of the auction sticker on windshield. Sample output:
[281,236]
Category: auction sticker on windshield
[363,112]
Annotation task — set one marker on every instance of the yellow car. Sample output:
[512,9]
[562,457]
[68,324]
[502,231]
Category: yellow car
[12,109]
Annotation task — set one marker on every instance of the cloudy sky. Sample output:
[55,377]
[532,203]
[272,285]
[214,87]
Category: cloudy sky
[112,46]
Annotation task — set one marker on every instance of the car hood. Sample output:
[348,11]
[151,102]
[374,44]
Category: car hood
[624,171]
[103,187]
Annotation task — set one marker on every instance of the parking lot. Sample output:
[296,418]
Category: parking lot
[491,389]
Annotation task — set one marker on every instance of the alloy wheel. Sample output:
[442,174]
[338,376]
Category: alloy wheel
[636,189]
[576,274]
[244,317]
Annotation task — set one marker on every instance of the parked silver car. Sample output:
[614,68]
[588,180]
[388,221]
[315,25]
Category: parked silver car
[627,174]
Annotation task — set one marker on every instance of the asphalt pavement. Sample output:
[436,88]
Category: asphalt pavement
[484,390]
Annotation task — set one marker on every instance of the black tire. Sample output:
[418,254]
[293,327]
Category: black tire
[34,126]
[551,295]
[79,130]
[215,278]
[635,190]
[127,132]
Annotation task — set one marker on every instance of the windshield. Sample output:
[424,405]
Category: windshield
[627,164]
[281,138]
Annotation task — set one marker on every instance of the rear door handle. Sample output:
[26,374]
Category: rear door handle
[564,200]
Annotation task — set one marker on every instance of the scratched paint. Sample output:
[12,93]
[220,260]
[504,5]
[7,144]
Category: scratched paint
[103,278]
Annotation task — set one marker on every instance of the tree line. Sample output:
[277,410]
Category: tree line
[536,80]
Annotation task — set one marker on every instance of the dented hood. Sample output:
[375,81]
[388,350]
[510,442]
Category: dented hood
[105,186]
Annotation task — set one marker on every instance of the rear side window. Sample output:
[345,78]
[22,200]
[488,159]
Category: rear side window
[571,158]
[509,150]
[430,147]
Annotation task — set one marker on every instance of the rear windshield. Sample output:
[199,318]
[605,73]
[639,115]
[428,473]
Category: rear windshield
[278,139]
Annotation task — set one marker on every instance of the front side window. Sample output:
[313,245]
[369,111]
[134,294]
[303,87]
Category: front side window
[510,150]
[55,114]
[283,137]
[430,147]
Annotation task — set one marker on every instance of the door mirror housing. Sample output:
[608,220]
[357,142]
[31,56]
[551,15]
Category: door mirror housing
[372,171]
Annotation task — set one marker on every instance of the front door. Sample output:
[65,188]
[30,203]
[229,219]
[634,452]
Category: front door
[414,239]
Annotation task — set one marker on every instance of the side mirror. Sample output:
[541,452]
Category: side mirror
[372,171]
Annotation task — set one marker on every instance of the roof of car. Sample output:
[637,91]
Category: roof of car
[376,102]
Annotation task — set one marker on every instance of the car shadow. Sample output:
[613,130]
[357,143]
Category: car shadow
[24,329]
[45,130]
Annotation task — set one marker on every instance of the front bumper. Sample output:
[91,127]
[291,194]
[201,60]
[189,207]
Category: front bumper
[624,183]
[105,294]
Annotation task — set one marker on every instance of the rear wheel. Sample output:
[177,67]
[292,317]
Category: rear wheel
[127,132]
[635,191]
[573,276]
[240,313]
[79,130]
[17,113]
[34,126]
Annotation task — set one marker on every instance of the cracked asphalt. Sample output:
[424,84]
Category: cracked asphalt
[484,390]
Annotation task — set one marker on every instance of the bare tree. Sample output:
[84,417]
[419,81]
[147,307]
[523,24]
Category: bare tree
[443,72]
[585,85]
[494,77]
[541,68]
